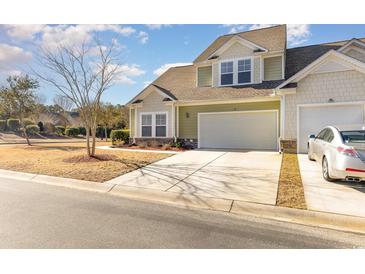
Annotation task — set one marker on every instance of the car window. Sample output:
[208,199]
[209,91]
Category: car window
[354,136]
[321,134]
[328,136]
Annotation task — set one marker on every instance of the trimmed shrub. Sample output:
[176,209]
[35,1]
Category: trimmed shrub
[49,128]
[41,127]
[82,131]
[72,131]
[119,136]
[32,129]
[13,124]
[2,125]
[60,130]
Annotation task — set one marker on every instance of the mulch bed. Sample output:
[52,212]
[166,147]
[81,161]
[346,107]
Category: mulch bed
[151,148]
[290,189]
[88,159]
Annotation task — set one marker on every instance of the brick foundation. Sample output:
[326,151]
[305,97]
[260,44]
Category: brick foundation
[288,146]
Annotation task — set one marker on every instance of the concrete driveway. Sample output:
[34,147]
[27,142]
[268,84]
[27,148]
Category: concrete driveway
[336,197]
[236,175]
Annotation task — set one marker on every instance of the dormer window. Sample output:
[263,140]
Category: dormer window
[227,73]
[236,72]
[244,71]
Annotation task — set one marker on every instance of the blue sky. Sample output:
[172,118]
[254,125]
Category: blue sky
[146,49]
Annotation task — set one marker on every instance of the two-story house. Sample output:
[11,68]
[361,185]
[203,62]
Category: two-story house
[248,91]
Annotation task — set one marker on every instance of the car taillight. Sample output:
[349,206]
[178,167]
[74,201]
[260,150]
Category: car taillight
[348,151]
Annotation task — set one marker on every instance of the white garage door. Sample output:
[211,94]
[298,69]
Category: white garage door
[313,118]
[243,130]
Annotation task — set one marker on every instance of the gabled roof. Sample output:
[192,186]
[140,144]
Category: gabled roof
[353,42]
[180,81]
[272,39]
[338,56]
[300,57]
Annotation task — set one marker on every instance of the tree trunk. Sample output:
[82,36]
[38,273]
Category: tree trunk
[88,141]
[26,136]
[24,131]
[106,134]
[93,143]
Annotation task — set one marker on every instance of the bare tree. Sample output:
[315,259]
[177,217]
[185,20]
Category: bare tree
[81,74]
[64,102]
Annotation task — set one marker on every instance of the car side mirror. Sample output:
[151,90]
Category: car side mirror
[312,136]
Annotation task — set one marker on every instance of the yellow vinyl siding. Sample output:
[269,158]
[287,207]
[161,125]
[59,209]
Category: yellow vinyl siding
[205,76]
[273,68]
[132,123]
[188,126]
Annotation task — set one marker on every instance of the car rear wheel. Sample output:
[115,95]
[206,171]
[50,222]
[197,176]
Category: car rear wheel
[325,170]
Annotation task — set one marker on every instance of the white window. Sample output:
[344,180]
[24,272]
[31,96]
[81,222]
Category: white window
[146,125]
[227,73]
[153,124]
[161,128]
[244,71]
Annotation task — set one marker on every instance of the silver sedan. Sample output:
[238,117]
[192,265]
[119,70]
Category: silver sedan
[341,152]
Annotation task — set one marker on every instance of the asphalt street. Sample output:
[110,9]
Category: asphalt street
[43,216]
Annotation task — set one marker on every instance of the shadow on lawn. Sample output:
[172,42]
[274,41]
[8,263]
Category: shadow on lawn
[53,147]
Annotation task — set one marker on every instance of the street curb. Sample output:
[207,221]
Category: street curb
[172,198]
[299,216]
[57,181]
[305,217]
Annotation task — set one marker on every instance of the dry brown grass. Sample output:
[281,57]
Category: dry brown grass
[69,161]
[290,191]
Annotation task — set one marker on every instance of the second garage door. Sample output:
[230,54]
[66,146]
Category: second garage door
[312,118]
[239,130]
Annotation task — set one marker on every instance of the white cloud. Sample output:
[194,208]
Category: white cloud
[127,72]
[11,57]
[50,36]
[165,67]
[296,33]
[146,83]
[23,32]
[156,26]
[143,37]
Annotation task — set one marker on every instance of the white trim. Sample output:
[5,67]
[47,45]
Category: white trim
[219,102]
[319,105]
[145,92]
[236,39]
[282,117]
[243,111]
[173,122]
[353,47]
[153,113]
[135,125]
[358,65]
[350,43]
[177,122]
[261,69]
[130,122]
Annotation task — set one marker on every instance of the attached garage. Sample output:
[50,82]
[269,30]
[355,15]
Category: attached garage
[256,130]
[312,118]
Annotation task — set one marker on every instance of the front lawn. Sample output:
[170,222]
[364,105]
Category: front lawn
[69,161]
